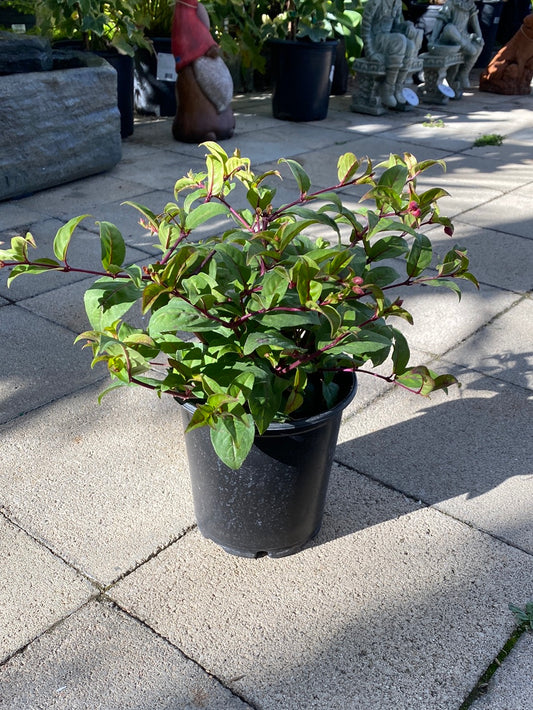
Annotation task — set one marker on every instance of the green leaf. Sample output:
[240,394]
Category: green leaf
[64,235]
[112,245]
[444,282]
[275,285]
[203,213]
[381,276]
[202,416]
[215,175]
[109,299]
[273,339]
[301,177]
[35,268]
[232,439]
[347,166]
[400,352]
[420,254]
[176,315]
[423,381]
[395,178]
[387,247]
[334,318]
[292,319]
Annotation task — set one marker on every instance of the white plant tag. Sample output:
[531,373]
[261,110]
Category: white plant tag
[166,67]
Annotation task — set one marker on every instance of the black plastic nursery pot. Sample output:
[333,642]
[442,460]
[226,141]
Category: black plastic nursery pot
[302,75]
[154,96]
[273,505]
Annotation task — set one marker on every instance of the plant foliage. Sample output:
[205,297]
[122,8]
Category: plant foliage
[253,323]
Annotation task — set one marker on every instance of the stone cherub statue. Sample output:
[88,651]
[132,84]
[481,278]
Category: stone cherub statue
[392,42]
[457,29]
[204,88]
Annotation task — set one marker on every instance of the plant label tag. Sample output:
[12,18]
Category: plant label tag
[410,96]
[166,67]
[446,90]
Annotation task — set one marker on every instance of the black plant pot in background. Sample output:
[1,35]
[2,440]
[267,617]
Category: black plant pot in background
[302,74]
[274,503]
[153,96]
[123,65]
[339,85]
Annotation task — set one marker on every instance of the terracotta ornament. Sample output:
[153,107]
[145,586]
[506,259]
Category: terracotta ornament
[204,88]
[511,69]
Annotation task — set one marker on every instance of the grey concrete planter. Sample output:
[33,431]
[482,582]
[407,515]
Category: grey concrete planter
[58,125]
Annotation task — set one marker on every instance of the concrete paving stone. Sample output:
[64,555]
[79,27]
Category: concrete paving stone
[321,164]
[504,348]
[248,122]
[468,452]
[101,658]
[79,196]
[393,607]
[159,171]
[298,138]
[449,137]
[118,488]
[150,131]
[136,236]
[65,306]
[39,362]
[497,215]
[13,214]
[476,169]
[441,320]
[510,687]
[496,259]
[37,590]
[84,252]
[525,190]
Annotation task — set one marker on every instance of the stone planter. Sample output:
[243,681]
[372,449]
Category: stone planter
[58,125]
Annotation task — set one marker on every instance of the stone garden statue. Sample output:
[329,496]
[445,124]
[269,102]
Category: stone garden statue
[457,29]
[392,43]
[204,87]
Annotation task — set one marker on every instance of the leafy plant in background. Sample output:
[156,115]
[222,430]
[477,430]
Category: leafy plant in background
[97,24]
[316,20]
[254,323]
[155,15]
[236,26]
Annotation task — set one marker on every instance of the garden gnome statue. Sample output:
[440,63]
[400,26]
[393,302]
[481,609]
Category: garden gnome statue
[204,87]
[511,70]
[457,29]
[393,43]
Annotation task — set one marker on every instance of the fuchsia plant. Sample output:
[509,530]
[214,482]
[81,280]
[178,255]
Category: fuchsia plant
[275,313]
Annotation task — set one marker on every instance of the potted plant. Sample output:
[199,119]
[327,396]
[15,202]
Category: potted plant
[301,38]
[111,29]
[154,74]
[259,330]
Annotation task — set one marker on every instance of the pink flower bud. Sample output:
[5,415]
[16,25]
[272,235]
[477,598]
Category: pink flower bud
[414,209]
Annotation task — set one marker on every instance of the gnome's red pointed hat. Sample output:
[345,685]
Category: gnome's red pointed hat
[190,37]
